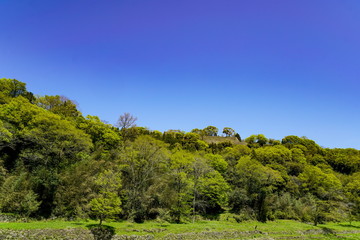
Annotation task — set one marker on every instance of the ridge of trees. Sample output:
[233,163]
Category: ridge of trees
[54,162]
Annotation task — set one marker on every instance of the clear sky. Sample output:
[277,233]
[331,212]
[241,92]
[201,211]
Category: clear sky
[275,67]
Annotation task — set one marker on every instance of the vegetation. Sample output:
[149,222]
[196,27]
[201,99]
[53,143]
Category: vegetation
[54,162]
[229,229]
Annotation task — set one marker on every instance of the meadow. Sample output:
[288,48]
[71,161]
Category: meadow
[279,229]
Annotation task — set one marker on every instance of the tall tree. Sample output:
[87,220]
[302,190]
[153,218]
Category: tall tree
[107,202]
[141,163]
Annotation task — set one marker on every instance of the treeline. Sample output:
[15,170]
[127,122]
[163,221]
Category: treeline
[54,162]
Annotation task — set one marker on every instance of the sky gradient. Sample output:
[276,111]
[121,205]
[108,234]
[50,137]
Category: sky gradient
[272,67]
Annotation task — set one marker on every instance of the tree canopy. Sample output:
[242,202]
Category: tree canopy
[56,162]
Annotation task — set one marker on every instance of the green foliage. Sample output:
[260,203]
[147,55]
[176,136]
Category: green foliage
[142,164]
[213,190]
[256,140]
[12,88]
[42,144]
[5,135]
[345,161]
[352,189]
[229,132]
[259,182]
[106,203]
[76,189]
[217,162]
[311,147]
[55,162]
[210,131]
[276,154]
[323,185]
[188,141]
[102,135]
[17,197]
[59,105]
[178,188]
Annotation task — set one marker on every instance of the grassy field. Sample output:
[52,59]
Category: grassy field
[282,229]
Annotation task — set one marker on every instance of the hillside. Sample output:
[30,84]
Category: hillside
[55,162]
[219,139]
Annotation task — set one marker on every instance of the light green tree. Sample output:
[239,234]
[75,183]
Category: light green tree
[217,162]
[43,144]
[272,154]
[256,140]
[11,88]
[259,182]
[324,185]
[60,105]
[107,202]
[352,190]
[104,136]
[179,192]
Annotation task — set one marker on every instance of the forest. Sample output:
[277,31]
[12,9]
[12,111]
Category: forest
[57,163]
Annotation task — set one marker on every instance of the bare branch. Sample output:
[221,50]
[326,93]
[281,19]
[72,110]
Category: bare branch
[126,121]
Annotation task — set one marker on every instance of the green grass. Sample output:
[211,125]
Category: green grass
[280,229]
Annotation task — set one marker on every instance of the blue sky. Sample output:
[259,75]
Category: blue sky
[275,67]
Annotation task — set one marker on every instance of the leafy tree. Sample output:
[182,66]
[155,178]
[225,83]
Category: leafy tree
[274,142]
[321,184]
[229,132]
[5,135]
[107,202]
[256,140]
[156,134]
[192,142]
[178,194]
[352,189]
[213,191]
[60,105]
[210,131]
[43,144]
[199,168]
[16,196]
[12,88]
[217,162]
[198,131]
[311,148]
[142,163]
[173,137]
[77,187]
[259,183]
[346,161]
[231,156]
[272,154]
[103,135]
